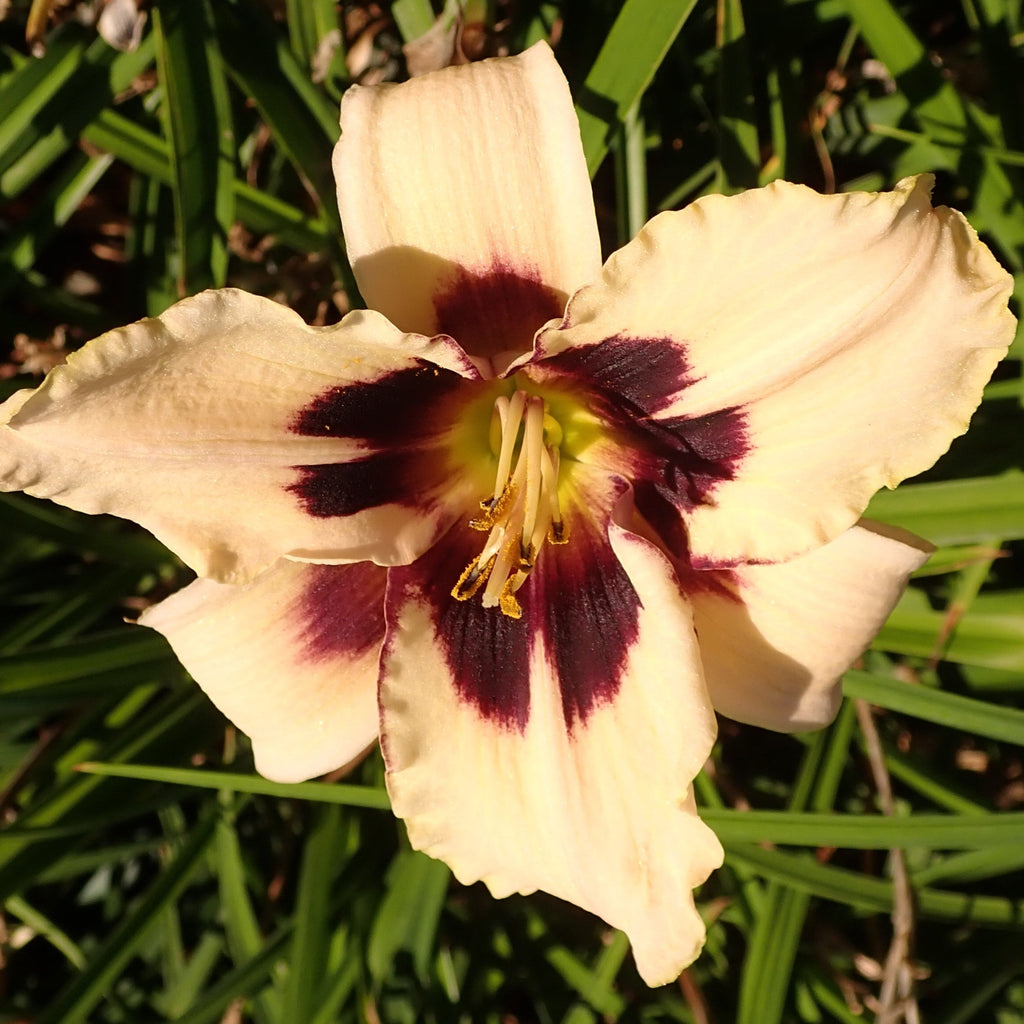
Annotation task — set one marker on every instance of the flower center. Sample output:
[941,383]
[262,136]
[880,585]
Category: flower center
[523,511]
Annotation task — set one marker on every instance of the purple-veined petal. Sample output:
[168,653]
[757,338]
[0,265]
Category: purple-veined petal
[466,202]
[775,639]
[238,434]
[623,383]
[827,346]
[557,751]
[291,658]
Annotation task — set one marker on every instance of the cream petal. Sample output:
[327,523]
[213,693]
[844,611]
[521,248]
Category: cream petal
[466,201]
[825,346]
[557,751]
[291,658]
[237,434]
[775,639]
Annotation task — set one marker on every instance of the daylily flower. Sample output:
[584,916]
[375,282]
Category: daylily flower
[532,520]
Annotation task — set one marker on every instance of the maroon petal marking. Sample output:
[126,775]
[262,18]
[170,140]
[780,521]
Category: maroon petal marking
[687,458]
[487,652]
[345,488]
[579,599]
[401,411]
[662,515]
[643,374]
[390,408]
[627,381]
[498,309]
[590,618]
[341,610]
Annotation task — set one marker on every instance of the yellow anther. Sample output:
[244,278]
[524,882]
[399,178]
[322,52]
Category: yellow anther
[473,577]
[508,602]
[558,532]
[492,510]
[523,512]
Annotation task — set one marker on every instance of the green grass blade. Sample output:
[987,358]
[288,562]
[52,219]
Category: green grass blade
[238,983]
[81,826]
[631,176]
[308,962]
[962,713]
[136,726]
[75,1004]
[738,151]
[185,988]
[772,949]
[61,200]
[152,218]
[321,792]
[987,636]
[413,17]
[87,535]
[197,115]
[93,86]
[83,600]
[925,779]
[27,92]
[408,916]
[873,894]
[867,832]
[124,649]
[973,866]
[339,986]
[632,53]
[309,21]
[87,862]
[593,985]
[956,511]
[304,123]
[829,998]
[148,153]
[990,972]
[936,103]
[240,922]
[44,927]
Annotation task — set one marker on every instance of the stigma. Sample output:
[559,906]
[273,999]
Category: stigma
[522,513]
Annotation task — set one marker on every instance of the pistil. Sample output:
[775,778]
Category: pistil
[523,512]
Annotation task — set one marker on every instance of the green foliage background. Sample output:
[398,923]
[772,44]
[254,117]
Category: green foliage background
[146,874]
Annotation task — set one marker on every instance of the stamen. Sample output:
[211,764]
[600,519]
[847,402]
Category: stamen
[505,561]
[557,532]
[533,445]
[494,543]
[507,602]
[523,511]
[491,511]
[473,577]
[511,413]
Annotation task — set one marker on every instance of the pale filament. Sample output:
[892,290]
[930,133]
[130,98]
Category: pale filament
[524,510]
[510,412]
[532,451]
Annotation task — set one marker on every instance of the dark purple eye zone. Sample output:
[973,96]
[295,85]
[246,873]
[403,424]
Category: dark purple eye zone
[627,382]
[398,417]
[498,310]
[579,605]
